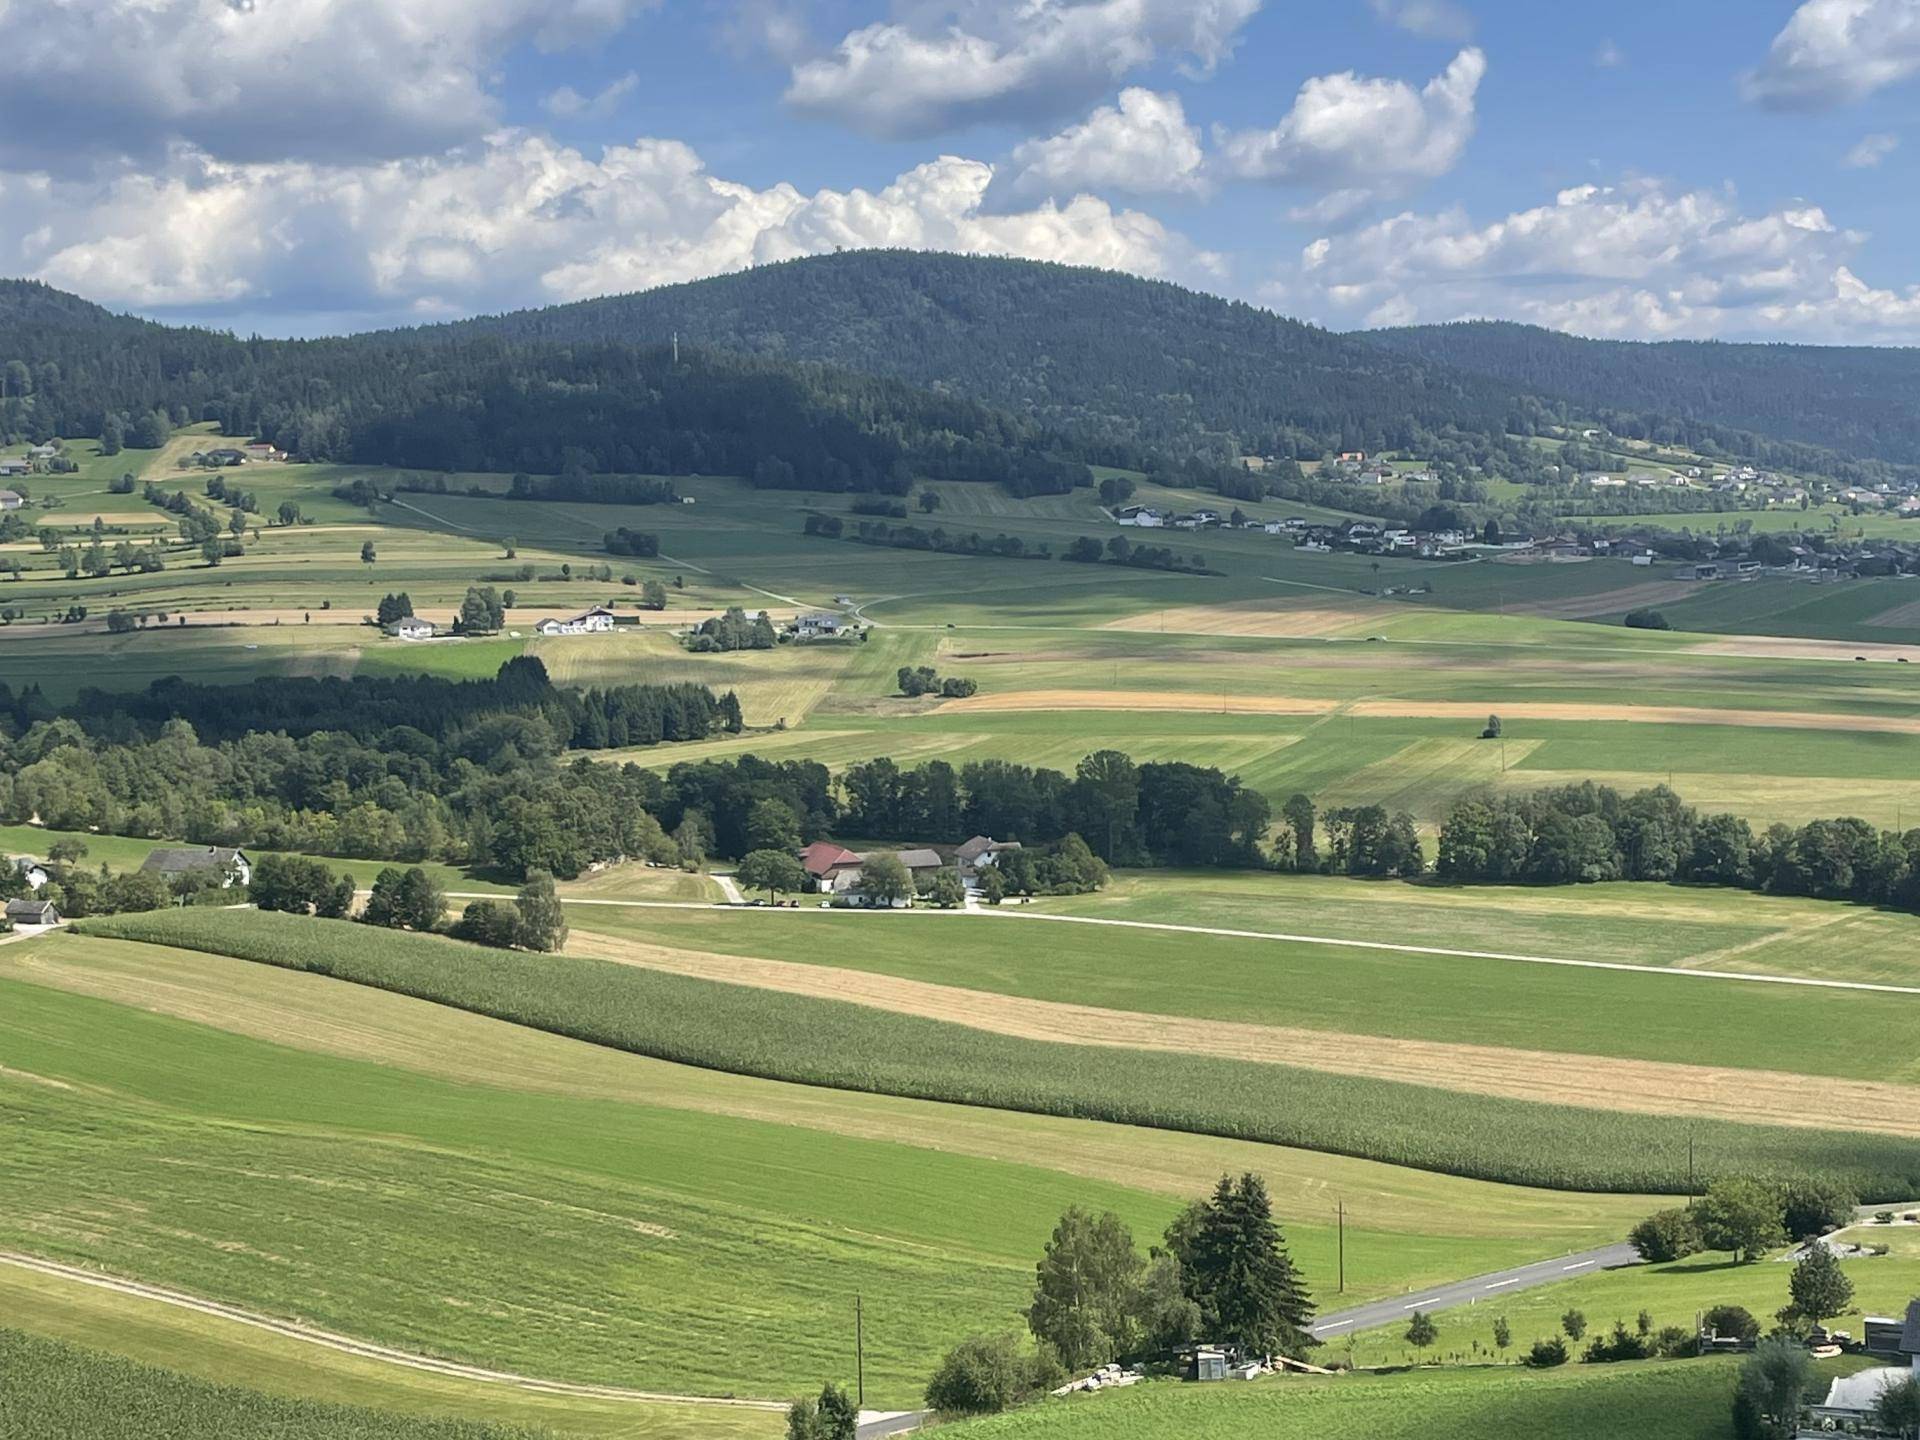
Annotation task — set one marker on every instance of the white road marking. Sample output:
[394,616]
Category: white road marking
[1511,1280]
[1581,1266]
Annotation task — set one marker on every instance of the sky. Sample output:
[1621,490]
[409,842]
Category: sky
[1741,169]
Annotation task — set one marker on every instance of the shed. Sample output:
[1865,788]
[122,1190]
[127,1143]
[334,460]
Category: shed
[32,912]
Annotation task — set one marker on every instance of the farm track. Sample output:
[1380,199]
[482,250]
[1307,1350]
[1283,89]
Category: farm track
[1758,1097]
[366,1350]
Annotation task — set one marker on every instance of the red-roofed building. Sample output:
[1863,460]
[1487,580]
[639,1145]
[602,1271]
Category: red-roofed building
[823,860]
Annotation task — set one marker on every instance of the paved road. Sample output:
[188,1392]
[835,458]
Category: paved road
[1480,1290]
[894,1424]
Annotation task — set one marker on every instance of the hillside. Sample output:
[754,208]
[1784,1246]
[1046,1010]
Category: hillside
[1857,400]
[1139,364]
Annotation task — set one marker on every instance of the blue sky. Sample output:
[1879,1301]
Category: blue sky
[1702,168]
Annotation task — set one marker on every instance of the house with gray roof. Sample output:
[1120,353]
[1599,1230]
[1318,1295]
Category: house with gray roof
[32,912]
[172,862]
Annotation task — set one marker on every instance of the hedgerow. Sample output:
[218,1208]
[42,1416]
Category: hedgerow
[845,1046]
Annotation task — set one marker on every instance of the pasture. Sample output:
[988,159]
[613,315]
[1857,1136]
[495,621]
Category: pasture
[1684,1400]
[1527,1119]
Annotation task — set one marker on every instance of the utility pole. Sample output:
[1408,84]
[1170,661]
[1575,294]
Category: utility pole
[676,347]
[859,1356]
[1343,1247]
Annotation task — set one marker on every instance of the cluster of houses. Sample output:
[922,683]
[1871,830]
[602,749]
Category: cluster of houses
[836,871]
[1356,467]
[225,865]
[596,621]
[47,459]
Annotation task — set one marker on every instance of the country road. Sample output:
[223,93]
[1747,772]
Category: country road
[1480,1289]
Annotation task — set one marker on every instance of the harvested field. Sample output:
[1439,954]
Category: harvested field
[1140,700]
[1574,711]
[1257,618]
[1781,647]
[1903,617]
[1606,602]
[1643,1087]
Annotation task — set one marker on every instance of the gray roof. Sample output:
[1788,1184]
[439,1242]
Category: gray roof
[185,860]
[984,845]
[921,859]
[21,909]
[1910,1336]
[1861,1392]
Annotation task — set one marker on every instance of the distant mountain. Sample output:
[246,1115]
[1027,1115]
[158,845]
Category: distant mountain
[1860,401]
[1133,365]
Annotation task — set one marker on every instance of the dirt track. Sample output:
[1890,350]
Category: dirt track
[1606,602]
[1645,1087]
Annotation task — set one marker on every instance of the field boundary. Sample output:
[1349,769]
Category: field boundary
[364,1349]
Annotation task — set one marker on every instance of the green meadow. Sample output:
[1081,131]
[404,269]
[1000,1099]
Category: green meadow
[1450,998]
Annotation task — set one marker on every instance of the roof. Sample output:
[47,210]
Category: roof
[1910,1336]
[984,845]
[18,909]
[823,856]
[186,859]
[920,859]
[1862,1392]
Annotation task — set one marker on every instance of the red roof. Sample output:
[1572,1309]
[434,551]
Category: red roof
[823,856]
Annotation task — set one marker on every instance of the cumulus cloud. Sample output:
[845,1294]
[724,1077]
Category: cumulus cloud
[517,219]
[1609,56]
[1834,51]
[1143,145]
[1636,261]
[1357,134]
[258,80]
[953,65]
[567,103]
[1870,151]
[1433,19]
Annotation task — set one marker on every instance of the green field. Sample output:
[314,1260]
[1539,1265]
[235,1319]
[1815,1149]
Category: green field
[800,1037]
[49,1389]
[1685,1400]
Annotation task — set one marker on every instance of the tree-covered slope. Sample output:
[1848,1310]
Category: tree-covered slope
[1861,401]
[1133,364]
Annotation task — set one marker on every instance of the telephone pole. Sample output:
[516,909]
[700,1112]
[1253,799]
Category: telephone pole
[859,1356]
[1343,1247]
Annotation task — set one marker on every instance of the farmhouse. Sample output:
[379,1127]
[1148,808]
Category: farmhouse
[32,871]
[824,861]
[260,450]
[232,865]
[411,627]
[224,456]
[819,625]
[1851,1399]
[981,851]
[11,500]
[590,622]
[15,465]
[32,912]
[1705,570]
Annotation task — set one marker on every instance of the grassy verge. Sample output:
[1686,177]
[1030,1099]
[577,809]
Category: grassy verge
[822,1042]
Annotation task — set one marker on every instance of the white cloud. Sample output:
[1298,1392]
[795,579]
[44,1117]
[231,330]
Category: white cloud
[1871,150]
[567,103]
[518,219]
[253,80]
[1433,19]
[1350,132]
[1143,145]
[952,65]
[1637,261]
[1609,56]
[1833,51]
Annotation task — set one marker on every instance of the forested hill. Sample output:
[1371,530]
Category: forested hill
[465,401]
[1860,401]
[1133,365]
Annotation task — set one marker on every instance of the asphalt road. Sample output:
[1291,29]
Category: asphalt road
[1480,1290]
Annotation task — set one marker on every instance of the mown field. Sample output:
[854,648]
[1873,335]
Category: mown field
[1685,1400]
[749,1029]
[48,1389]
[411,1174]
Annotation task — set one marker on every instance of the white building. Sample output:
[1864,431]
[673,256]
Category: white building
[11,500]
[411,627]
[594,621]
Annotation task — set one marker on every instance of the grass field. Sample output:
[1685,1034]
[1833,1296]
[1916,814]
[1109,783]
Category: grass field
[85,1320]
[426,1178]
[50,1389]
[1685,1400]
[749,1029]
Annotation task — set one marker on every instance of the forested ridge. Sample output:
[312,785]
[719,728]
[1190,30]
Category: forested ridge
[1856,400]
